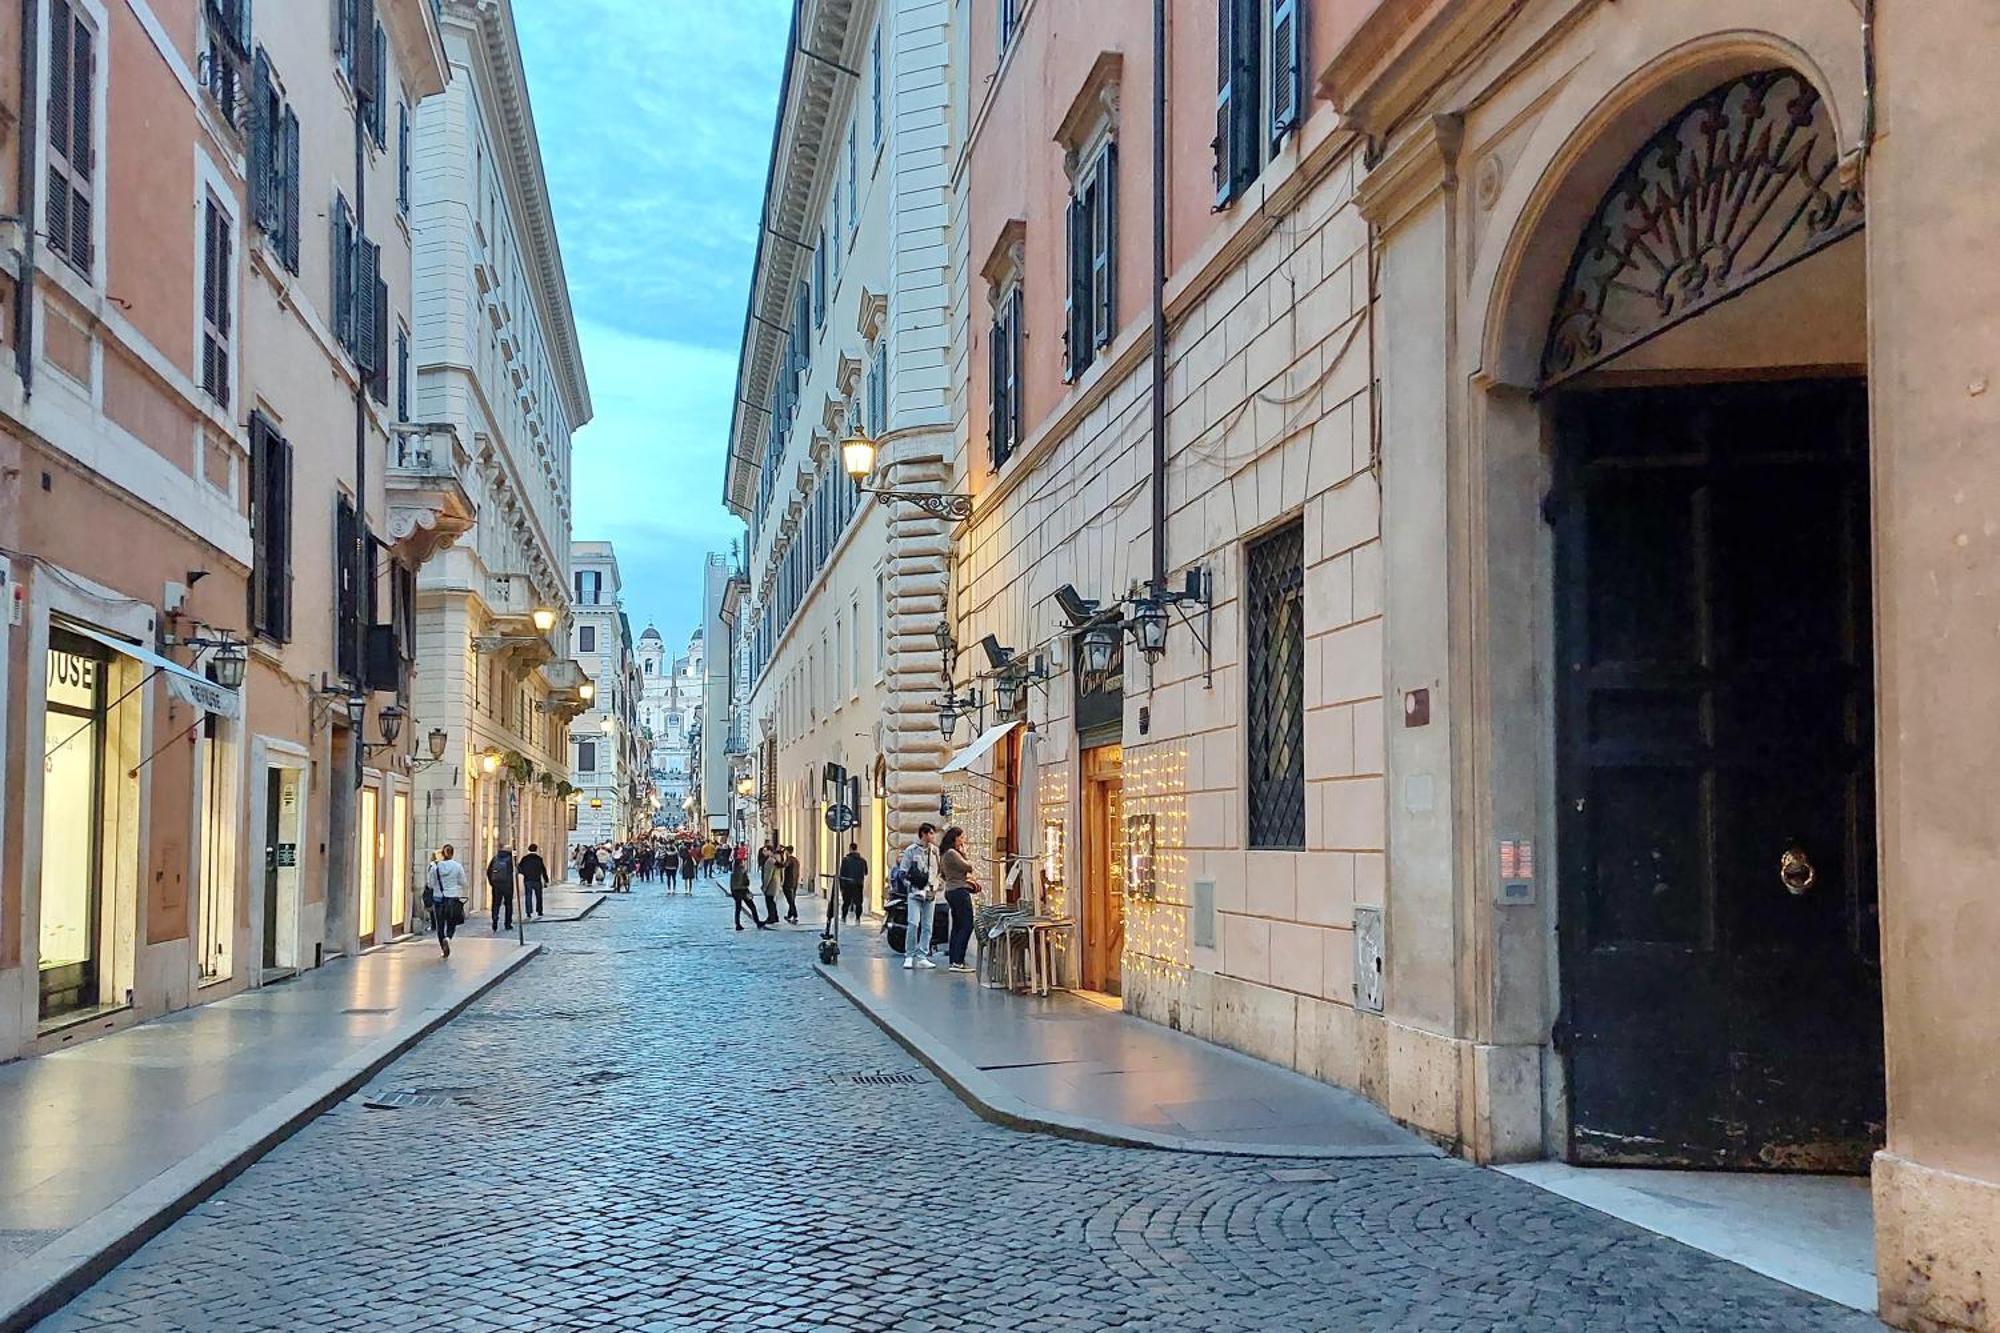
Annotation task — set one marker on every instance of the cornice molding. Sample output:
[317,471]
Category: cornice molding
[1095,102]
[1009,255]
[1420,163]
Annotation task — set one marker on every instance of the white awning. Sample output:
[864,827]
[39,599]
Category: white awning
[185,685]
[979,748]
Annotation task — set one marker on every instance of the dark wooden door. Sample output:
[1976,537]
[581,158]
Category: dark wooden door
[1722,1003]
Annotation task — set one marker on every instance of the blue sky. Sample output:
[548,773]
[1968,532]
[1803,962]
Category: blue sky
[655,123]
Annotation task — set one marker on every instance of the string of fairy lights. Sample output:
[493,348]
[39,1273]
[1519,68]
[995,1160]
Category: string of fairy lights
[1156,911]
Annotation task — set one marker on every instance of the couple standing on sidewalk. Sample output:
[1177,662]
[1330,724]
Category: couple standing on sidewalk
[923,867]
[444,889]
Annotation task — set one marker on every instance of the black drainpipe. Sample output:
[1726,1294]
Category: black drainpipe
[26,197]
[1159,295]
[360,398]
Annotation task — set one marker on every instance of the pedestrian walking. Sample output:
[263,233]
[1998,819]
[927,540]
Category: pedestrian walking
[687,869]
[739,890]
[853,878]
[587,866]
[771,864]
[500,877]
[919,870]
[791,884]
[444,894]
[534,874]
[708,859]
[959,886]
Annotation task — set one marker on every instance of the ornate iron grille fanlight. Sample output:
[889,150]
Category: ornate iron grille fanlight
[1739,185]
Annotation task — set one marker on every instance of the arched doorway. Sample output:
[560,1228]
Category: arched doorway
[1704,387]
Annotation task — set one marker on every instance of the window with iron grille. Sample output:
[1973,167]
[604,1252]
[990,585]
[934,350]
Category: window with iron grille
[1274,620]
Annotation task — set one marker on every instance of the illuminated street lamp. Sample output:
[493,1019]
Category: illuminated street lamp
[857,459]
[489,761]
[1149,627]
[1099,641]
[857,456]
[544,618]
[586,691]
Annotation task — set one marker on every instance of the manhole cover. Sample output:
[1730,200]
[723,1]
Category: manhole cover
[894,1080]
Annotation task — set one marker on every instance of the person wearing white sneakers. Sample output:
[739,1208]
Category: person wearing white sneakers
[920,873]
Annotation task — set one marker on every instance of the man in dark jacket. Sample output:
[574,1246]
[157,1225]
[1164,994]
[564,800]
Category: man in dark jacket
[500,873]
[853,877]
[791,883]
[534,874]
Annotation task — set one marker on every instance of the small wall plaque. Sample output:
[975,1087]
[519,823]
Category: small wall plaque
[1517,871]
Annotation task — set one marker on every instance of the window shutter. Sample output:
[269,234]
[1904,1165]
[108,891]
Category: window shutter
[289,216]
[262,575]
[1104,247]
[361,45]
[263,156]
[379,342]
[242,33]
[1286,92]
[1238,45]
[1075,355]
[1225,99]
[403,156]
[343,274]
[996,382]
[1016,341]
[378,92]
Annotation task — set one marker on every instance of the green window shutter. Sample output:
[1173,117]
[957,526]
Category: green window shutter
[1287,60]
[289,206]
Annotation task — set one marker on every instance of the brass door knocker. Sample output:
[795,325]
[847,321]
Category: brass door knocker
[1795,871]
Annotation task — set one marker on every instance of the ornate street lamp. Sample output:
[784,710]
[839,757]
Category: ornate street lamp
[357,709]
[390,723]
[1149,627]
[1007,692]
[1099,642]
[857,459]
[947,711]
[489,761]
[228,664]
[586,691]
[544,619]
[438,740]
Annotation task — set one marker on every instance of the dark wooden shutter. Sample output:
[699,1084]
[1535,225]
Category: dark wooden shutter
[1016,343]
[996,387]
[403,156]
[1225,100]
[1238,61]
[343,273]
[347,588]
[1076,348]
[379,383]
[281,498]
[1287,92]
[262,574]
[264,131]
[1104,247]
[362,44]
[378,90]
[290,205]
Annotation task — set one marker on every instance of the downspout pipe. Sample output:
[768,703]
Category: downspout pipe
[26,196]
[1159,405]
[360,428]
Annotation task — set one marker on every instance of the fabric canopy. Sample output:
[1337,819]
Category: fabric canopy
[979,748]
[185,685]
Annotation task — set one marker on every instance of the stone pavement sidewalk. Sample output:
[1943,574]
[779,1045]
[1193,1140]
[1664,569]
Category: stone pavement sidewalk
[1064,1065]
[108,1142]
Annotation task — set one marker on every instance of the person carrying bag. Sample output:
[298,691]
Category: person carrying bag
[444,894]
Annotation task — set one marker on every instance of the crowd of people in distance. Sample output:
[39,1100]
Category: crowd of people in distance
[677,861]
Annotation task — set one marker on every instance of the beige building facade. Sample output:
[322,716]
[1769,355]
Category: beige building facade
[1569,575]
[483,459]
[847,334]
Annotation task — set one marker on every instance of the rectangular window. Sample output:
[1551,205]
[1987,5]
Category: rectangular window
[819,282]
[274,163]
[1091,307]
[875,68]
[378,89]
[586,638]
[228,29]
[270,531]
[218,237]
[342,268]
[1274,622]
[1260,88]
[1004,365]
[347,587]
[881,622]
[72,113]
[878,390]
[586,756]
[1010,23]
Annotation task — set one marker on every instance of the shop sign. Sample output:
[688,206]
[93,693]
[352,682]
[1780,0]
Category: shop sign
[287,855]
[73,679]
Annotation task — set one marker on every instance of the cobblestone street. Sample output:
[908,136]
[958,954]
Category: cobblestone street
[658,1126]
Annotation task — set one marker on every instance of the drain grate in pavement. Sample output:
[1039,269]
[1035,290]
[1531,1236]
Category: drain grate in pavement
[368,1011]
[399,1099]
[899,1079]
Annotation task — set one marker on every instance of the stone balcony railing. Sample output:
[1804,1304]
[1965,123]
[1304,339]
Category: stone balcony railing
[430,505]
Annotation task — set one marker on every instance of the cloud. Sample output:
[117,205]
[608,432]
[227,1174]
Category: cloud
[655,119]
[647,471]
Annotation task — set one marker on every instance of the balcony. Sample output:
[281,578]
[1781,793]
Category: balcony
[569,698]
[430,506]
